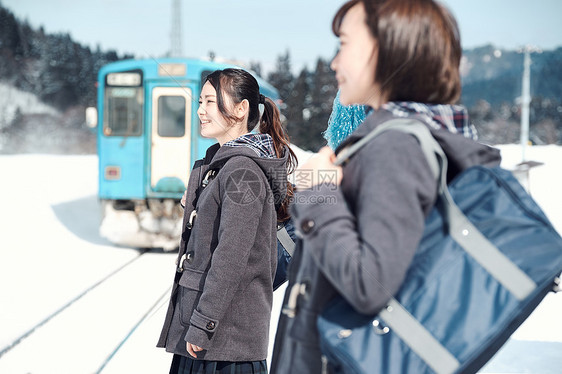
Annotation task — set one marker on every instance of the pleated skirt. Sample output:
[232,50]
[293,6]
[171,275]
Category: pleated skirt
[187,365]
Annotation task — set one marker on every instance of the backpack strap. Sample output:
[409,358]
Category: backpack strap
[285,239]
[406,125]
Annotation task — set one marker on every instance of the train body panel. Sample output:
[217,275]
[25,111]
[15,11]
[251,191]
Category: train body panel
[148,139]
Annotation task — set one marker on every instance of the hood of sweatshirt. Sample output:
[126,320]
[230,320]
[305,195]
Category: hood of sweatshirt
[258,147]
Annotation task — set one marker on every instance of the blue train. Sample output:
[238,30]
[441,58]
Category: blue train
[147,141]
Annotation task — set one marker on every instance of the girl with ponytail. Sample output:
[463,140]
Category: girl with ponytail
[219,311]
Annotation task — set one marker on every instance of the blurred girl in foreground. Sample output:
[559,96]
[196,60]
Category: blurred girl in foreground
[401,58]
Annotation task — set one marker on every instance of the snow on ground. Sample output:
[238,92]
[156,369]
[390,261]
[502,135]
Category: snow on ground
[52,254]
[51,261]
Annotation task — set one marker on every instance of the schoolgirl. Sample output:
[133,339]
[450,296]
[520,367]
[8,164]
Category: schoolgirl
[360,230]
[219,312]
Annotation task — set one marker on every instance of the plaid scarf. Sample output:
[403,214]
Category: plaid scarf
[451,117]
[262,144]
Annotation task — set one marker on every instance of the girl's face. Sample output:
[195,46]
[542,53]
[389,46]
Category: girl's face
[355,62]
[213,124]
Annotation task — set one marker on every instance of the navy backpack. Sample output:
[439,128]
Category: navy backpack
[487,258]
[285,250]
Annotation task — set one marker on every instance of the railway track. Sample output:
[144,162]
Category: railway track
[161,301]
[106,350]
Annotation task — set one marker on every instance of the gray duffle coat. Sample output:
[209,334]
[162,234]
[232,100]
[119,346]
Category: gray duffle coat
[222,293]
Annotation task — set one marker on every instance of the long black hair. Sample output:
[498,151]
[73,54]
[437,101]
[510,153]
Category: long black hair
[240,85]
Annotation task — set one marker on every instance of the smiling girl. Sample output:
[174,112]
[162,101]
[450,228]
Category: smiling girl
[219,312]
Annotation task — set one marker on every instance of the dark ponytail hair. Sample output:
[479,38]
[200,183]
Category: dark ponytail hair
[271,124]
[240,85]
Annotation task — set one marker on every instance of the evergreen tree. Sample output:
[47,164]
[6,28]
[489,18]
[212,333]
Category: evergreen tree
[547,80]
[296,111]
[61,72]
[282,78]
[9,42]
[256,68]
[9,34]
[322,94]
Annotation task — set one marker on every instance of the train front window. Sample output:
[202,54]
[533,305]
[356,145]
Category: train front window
[171,116]
[123,111]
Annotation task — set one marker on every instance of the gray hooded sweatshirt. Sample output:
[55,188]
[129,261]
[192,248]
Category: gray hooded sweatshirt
[221,300]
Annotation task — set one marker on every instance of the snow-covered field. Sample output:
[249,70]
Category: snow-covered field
[70,302]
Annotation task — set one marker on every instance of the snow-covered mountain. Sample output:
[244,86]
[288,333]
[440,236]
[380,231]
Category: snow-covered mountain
[14,101]
[28,125]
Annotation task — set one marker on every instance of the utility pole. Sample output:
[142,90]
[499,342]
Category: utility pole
[522,170]
[526,98]
[175,33]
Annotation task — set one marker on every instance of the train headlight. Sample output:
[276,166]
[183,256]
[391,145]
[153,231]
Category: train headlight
[112,173]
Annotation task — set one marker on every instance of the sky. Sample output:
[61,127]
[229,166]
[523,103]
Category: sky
[261,30]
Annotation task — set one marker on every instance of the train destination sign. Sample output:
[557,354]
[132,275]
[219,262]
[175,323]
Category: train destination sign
[124,79]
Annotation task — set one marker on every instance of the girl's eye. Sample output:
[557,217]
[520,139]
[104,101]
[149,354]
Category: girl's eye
[200,102]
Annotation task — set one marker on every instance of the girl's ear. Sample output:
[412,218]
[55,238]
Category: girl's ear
[242,109]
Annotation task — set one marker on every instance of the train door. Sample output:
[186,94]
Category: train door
[170,139]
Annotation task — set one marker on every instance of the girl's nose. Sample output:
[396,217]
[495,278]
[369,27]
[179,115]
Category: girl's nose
[333,64]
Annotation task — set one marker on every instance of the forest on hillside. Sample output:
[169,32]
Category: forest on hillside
[491,90]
